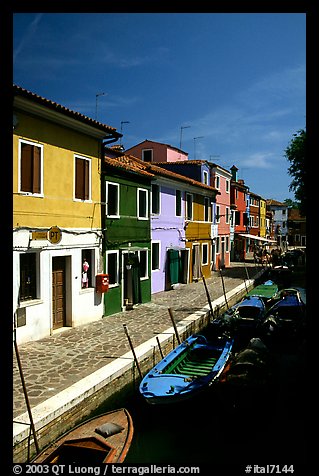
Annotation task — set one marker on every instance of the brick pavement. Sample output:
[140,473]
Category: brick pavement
[54,363]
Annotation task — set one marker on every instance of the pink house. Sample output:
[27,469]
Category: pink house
[150,151]
[220,179]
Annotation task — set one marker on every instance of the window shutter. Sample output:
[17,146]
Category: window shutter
[36,170]
[86,179]
[26,168]
[79,178]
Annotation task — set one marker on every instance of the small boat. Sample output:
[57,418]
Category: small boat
[287,316]
[250,366]
[187,370]
[265,291]
[103,439]
[242,319]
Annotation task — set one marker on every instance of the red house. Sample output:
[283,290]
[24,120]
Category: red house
[238,204]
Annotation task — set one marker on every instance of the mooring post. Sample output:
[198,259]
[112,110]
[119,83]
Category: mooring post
[208,296]
[133,351]
[26,397]
[174,325]
[221,275]
[159,346]
[247,272]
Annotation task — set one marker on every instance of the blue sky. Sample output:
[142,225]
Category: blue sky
[237,79]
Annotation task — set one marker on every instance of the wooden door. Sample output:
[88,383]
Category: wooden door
[58,292]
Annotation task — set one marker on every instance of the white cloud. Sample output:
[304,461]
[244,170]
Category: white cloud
[31,30]
[259,160]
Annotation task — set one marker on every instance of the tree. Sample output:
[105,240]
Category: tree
[296,155]
[291,203]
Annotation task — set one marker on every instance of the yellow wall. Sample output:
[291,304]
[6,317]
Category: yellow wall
[262,217]
[198,231]
[57,206]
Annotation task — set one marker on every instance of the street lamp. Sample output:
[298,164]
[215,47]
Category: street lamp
[123,122]
[195,139]
[96,96]
[180,142]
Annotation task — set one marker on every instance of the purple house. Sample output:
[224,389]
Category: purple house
[170,258]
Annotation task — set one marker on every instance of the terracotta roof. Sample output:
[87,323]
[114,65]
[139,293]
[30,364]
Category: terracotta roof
[133,164]
[275,203]
[127,163]
[182,162]
[19,91]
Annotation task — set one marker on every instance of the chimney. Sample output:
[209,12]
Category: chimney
[234,171]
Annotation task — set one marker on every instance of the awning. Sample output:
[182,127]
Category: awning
[258,238]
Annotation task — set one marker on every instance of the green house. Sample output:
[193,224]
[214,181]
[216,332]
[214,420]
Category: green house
[127,234]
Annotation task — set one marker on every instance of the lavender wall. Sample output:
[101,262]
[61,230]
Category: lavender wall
[169,230]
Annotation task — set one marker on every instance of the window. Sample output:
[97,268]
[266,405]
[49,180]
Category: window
[82,178]
[87,268]
[142,254]
[142,204]
[112,199]
[155,255]
[31,162]
[178,203]
[227,214]
[206,209]
[217,214]
[112,267]
[227,186]
[205,177]
[218,245]
[28,276]
[155,199]
[147,155]
[189,206]
[204,253]
[217,183]
[237,217]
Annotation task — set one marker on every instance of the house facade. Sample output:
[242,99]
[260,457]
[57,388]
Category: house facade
[56,216]
[297,228]
[127,235]
[280,218]
[220,179]
[240,216]
[151,151]
[262,217]
[195,213]
[170,258]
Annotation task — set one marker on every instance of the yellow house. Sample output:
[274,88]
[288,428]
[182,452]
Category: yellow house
[262,218]
[198,234]
[56,215]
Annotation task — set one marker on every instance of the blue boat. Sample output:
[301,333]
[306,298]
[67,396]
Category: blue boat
[243,319]
[187,370]
[286,317]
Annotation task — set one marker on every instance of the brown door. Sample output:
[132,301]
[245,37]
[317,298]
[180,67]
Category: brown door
[58,292]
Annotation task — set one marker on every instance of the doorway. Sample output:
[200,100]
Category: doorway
[58,292]
[132,293]
[197,271]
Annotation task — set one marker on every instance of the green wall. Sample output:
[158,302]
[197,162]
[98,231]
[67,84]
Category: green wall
[119,232]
